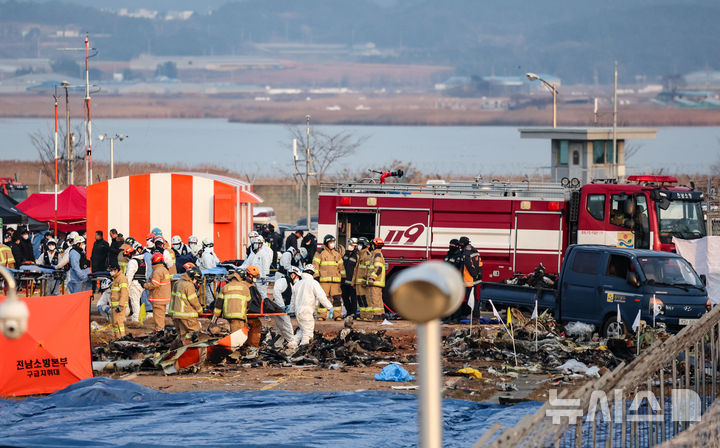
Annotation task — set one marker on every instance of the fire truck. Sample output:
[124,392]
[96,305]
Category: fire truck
[14,189]
[514,225]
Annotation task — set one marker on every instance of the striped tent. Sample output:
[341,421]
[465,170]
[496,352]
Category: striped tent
[204,205]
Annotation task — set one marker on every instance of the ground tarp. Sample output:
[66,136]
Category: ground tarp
[71,208]
[106,412]
[54,352]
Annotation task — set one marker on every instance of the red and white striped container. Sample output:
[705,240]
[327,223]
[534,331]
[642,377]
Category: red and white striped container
[204,205]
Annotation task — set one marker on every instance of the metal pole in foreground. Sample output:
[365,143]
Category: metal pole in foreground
[307,169]
[429,394]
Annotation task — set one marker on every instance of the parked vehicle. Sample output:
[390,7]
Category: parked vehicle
[595,280]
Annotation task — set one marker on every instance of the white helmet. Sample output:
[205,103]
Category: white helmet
[258,240]
[72,236]
[296,270]
[309,268]
[253,234]
[176,240]
[192,239]
[78,240]
[207,242]
[303,252]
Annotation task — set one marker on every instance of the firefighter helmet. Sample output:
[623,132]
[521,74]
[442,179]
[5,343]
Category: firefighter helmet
[252,271]
[464,241]
[194,272]
[157,258]
[378,242]
[207,242]
[156,231]
[129,251]
[130,240]
[328,239]
[364,241]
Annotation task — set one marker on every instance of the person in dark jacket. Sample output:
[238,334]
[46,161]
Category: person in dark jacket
[25,247]
[350,259]
[13,242]
[100,252]
[274,240]
[116,242]
[309,242]
[292,240]
[454,255]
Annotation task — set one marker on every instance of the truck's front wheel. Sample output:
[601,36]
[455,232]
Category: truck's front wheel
[611,328]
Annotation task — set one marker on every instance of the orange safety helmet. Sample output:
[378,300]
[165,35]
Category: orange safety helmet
[253,271]
[157,257]
[129,251]
[378,242]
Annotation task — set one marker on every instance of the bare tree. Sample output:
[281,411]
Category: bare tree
[632,149]
[44,143]
[327,149]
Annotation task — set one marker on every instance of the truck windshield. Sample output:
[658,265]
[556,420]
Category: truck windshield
[671,271]
[683,219]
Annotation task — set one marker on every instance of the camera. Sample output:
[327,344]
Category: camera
[14,315]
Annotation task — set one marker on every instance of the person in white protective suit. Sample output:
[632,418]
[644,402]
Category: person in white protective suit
[136,275]
[260,257]
[193,245]
[284,288]
[208,259]
[292,257]
[307,294]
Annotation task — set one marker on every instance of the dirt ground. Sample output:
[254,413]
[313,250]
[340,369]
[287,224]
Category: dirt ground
[530,385]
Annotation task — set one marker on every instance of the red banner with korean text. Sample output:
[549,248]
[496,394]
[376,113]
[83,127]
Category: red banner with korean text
[54,352]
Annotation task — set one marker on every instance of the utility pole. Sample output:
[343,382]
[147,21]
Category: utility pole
[55,139]
[88,122]
[68,139]
[615,121]
[308,163]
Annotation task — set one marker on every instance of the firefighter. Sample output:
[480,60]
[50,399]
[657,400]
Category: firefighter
[454,255]
[123,259]
[307,294]
[118,299]
[376,280]
[136,274]
[6,256]
[160,290]
[348,289]
[330,272]
[472,268]
[184,304]
[255,326]
[232,302]
[360,277]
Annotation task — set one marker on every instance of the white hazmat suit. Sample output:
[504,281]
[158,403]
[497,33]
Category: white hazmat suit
[261,259]
[282,323]
[307,293]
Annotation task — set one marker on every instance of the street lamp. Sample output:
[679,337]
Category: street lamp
[423,294]
[112,150]
[14,312]
[552,87]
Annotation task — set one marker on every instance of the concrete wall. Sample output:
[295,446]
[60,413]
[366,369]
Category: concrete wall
[288,200]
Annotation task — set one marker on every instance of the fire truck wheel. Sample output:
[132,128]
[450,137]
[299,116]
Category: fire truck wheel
[611,328]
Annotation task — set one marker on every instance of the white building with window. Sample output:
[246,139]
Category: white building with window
[587,153]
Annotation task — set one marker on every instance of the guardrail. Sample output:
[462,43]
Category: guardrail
[642,403]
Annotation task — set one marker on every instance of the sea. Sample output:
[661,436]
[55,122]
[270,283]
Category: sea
[266,149]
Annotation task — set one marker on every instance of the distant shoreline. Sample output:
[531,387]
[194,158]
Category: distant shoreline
[418,110]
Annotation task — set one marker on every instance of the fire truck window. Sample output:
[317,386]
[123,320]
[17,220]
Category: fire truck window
[618,215]
[619,266]
[642,223]
[596,206]
[586,262]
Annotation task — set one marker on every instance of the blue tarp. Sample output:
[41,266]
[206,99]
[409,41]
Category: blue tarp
[106,412]
[394,372]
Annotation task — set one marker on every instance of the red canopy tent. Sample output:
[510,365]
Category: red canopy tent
[71,208]
[54,352]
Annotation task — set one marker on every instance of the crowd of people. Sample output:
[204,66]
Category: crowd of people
[307,282]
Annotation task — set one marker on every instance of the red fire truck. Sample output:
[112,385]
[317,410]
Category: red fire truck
[514,225]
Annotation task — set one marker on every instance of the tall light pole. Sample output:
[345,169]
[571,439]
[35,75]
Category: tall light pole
[550,86]
[68,140]
[55,139]
[307,169]
[112,150]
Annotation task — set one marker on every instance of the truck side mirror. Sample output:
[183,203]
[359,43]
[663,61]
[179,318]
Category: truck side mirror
[703,279]
[632,279]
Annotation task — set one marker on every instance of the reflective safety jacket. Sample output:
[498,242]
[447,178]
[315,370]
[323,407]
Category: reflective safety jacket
[6,256]
[119,293]
[184,301]
[472,266]
[159,284]
[122,259]
[360,275]
[329,266]
[376,269]
[232,301]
